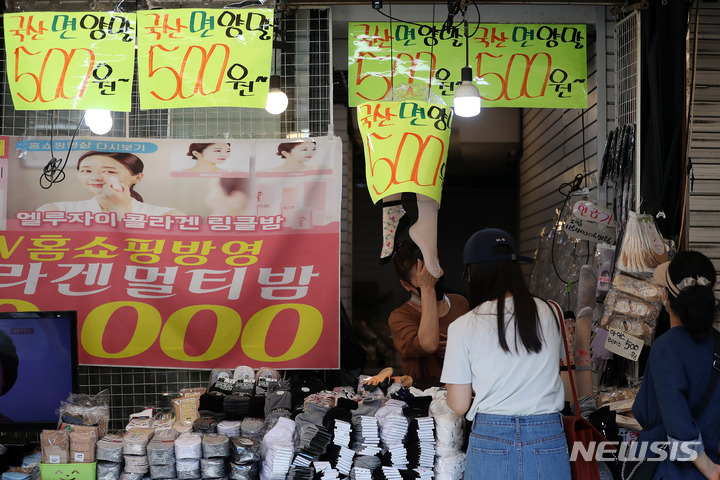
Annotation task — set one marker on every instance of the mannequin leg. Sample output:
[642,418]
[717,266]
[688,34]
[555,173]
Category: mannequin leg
[585,308]
[392,213]
[424,233]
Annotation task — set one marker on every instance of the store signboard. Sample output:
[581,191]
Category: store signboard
[202,58]
[231,258]
[529,66]
[70,60]
[406,147]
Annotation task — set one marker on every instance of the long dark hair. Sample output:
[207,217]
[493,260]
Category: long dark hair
[696,305]
[128,160]
[493,280]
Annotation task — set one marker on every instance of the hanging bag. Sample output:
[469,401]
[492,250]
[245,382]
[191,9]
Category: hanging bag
[578,429]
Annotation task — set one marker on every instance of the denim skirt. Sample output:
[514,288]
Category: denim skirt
[517,448]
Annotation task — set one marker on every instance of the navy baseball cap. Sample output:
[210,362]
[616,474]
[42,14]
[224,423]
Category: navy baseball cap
[479,247]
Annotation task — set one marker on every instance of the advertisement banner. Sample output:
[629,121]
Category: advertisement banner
[180,253]
[70,60]
[529,66]
[406,147]
[201,58]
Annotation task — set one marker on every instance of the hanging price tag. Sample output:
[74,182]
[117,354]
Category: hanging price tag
[587,210]
[587,230]
[70,61]
[191,58]
[620,343]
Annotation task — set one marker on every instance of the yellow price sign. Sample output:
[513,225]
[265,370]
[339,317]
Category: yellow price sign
[406,146]
[70,60]
[199,58]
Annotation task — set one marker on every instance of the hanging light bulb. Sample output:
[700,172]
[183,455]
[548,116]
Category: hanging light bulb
[467,96]
[98,121]
[277,101]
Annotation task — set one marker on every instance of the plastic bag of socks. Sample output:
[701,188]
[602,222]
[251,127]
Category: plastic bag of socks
[251,427]
[82,446]
[243,472]
[136,439]
[161,449]
[163,471]
[187,468]
[215,445]
[244,450]
[55,446]
[136,463]
[108,470]
[213,467]
[231,428]
[189,445]
[110,448]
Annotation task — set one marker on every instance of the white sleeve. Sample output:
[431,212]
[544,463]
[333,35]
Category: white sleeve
[456,368]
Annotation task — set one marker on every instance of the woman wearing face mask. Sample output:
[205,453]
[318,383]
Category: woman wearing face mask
[678,371]
[111,177]
[419,326]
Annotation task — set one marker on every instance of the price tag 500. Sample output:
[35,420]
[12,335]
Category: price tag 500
[620,343]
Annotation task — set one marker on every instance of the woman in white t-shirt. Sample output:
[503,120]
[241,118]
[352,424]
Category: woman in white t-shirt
[510,358]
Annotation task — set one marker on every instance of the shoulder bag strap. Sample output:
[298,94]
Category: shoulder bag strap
[714,377]
[557,312]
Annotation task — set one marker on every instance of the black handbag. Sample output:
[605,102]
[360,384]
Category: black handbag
[644,470]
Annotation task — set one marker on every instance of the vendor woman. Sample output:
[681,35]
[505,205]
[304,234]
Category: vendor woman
[419,326]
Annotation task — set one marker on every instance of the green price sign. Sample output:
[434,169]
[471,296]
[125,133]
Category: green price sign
[532,66]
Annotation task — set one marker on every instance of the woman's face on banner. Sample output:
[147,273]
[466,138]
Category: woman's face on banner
[97,170]
[215,153]
[303,152]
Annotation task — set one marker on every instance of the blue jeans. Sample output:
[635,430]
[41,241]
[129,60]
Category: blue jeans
[517,448]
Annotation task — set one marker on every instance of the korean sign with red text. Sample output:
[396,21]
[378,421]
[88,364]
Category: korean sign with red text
[180,253]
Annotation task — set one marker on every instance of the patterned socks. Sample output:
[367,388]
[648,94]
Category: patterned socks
[392,213]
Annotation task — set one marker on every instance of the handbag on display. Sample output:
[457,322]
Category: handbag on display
[578,429]
[644,470]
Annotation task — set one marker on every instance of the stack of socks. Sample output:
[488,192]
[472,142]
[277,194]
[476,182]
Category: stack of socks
[393,429]
[277,450]
[231,428]
[110,448]
[135,444]
[311,440]
[449,459]
[161,454]
[188,451]
[108,470]
[340,457]
[366,438]
[420,443]
[325,471]
[300,473]
[245,458]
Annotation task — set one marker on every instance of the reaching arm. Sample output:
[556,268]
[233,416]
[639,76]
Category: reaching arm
[429,330]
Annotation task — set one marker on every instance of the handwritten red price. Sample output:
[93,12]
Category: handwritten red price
[586,210]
